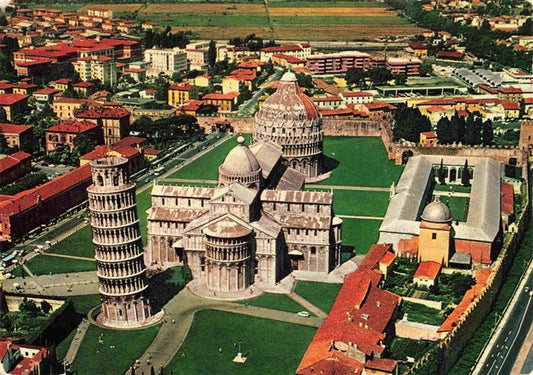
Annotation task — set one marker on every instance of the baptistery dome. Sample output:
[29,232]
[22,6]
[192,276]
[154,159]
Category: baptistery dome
[290,119]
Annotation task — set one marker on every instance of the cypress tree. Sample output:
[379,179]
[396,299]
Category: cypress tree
[465,177]
[488,135]
[441,172]
[444,131]
[469,131]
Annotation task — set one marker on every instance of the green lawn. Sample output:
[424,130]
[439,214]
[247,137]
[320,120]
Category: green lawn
[82,305]
[322,295]
[206,19]
[206,166]
[360,233]
[272,347]
[78,244]
[362,162]
[360,203]
[44,265]
[275,301]
[458,207]
[338,20]
[453,188]
[96,358]
[422,314]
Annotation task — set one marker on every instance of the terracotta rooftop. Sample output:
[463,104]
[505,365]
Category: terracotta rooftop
[12,160]
[13,128]
[10,99]
[72,126]
[428,270]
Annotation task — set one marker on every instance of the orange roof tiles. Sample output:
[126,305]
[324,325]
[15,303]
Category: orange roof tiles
[387,259]
[13,128]
[72,126]
[10,99]
[428,270]
[456,315]
[507,198]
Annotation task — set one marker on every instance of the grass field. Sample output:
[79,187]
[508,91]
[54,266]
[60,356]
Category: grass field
[453,188]
[458,207]
[362,162]
[276,302]
[78,244]
[206,166]
[360,233]
[82,305]
[360,203]
[305,20]
[128,345]
[322,295]
[44,265]
[272,347]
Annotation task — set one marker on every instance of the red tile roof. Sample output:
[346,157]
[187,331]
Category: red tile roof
[510,90]
[181,87]
[360,315]
[72,126]
[13,128]
[382,364]
[510,106]
[408,247]
[457,314]
[220,96]
[452,55]
[507,198]
[46,91]
[417,45]
[104,112]
[29,198]
[350,94]
[12,160]
[10,99]
[388,258]
[429,134]
[428,270]
[375,253]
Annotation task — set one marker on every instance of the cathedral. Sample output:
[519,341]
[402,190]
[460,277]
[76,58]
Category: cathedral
[258,224]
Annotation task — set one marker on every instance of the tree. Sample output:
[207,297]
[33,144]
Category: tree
[3,115]
[488,134]
[305,80]
[444,131]
[3,20]
[212,54]
[478,131]
[400,79]
[465,177]
[469,138]
[426,69]
[441,172]
[410,123]
[355,76]
[84,144]
[4,148]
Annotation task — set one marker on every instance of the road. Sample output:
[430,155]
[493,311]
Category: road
[511,333]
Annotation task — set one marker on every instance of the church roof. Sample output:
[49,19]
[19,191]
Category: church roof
[268,154]
[227,226]
[437,212]
[240,160]
[238,191]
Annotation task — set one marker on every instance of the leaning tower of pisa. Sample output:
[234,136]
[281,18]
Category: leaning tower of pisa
[117,244]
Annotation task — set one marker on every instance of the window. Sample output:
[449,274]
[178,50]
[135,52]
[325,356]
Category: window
[313,250]
[433,236]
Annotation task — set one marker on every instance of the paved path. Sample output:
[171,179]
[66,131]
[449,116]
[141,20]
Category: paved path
[524,361]
[68,256]
[308,305]
[179,314]
[76,341]
[451,194]
[361,217]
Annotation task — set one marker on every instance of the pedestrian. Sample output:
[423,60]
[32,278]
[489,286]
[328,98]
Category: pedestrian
[220,349]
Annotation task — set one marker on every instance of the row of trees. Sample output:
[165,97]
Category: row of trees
[251,41]
[163,132]
[409,124]
[166,39]
[481,43]
[471,131]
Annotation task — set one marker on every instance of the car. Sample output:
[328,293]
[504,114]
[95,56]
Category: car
[526,289]
[304,314]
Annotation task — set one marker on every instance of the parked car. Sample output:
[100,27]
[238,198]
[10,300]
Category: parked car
[304,314]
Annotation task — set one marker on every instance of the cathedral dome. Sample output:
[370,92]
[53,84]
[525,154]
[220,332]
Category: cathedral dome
[437,212]
[240,160]
[240,166]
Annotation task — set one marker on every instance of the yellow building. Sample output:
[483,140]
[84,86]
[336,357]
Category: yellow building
[435,233]
[180,94]
[202,80]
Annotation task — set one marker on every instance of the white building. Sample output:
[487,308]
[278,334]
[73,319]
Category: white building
[101,68]
[165,61]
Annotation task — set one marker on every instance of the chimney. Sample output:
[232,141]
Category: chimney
[378,303]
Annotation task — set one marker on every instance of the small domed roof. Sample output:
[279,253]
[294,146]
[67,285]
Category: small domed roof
[240,160]
[289,77]
[437,212]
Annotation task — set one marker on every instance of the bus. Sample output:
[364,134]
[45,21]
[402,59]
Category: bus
[8,260]
[159,171]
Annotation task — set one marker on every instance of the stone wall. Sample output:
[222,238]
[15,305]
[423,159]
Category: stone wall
[416,331]
[453,344]
[333,126]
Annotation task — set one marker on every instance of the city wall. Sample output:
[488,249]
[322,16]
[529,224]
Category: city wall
[453,344]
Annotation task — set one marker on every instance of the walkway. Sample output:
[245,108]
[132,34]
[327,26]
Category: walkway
[360,217]
[179,314]
[76,341]
[68,256]
[308,305]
